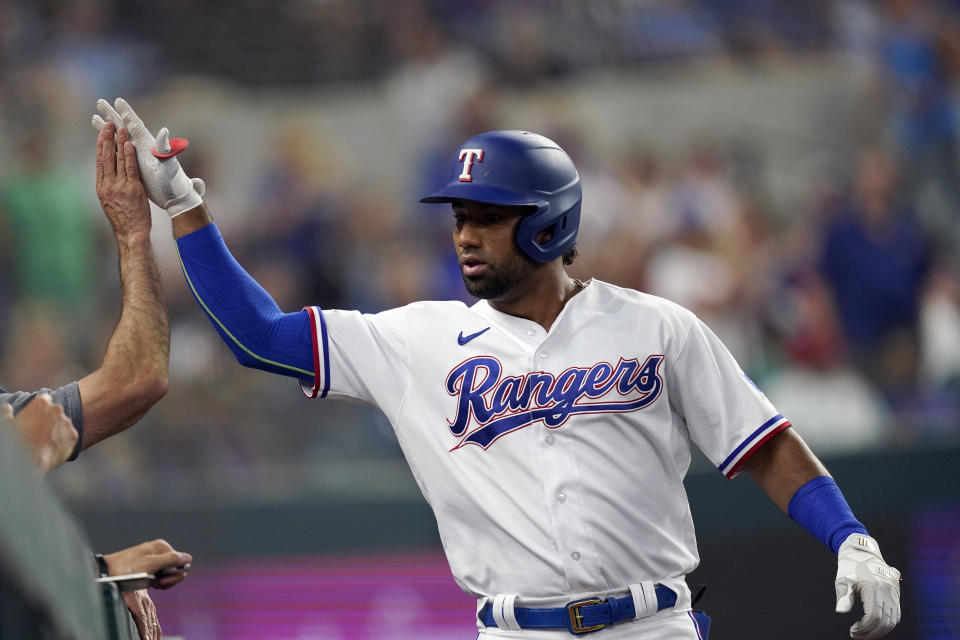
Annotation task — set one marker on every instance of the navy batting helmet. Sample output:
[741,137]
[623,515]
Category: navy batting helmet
[525,169]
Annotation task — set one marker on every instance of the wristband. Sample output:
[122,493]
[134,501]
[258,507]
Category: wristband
[820,508]
[101,565]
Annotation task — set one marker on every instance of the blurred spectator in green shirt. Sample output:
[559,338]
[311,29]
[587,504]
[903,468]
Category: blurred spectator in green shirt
[47,228]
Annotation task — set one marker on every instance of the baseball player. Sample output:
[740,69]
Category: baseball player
[548,425]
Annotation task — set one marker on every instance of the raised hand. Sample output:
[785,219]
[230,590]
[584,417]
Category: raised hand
[119,188]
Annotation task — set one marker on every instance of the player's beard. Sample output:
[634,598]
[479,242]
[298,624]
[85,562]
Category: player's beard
[499,279]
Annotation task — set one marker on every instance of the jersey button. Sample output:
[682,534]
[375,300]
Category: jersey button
[575,555]
[551,440]
[561,497]
[530,332]
[543,354]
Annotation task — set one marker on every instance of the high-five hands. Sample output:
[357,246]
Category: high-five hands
[166,183]
[119,188]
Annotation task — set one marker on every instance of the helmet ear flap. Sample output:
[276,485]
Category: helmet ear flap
[557,227]
[563,224]
[530,229]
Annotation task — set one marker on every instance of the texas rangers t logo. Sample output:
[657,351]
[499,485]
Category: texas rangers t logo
[494,407]
[468,157]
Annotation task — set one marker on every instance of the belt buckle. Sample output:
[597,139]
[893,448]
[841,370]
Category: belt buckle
[576,618]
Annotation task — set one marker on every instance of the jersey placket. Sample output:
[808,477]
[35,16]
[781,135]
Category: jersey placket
[562,488]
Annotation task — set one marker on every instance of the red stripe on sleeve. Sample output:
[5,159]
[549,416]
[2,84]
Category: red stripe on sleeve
[312,312]
[736,468]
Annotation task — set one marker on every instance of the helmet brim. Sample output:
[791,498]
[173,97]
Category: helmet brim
[480,193]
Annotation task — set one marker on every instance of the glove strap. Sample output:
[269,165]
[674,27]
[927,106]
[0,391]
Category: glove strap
[188,198]
[861,542]
[184,203]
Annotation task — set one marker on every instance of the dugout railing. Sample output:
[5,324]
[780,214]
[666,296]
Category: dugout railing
[47,588]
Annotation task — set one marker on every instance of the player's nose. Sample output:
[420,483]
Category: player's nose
[467,235]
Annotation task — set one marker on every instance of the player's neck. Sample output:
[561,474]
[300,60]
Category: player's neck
[539,298]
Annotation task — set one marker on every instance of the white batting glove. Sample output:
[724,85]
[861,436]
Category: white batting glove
[167,185]
[862,570]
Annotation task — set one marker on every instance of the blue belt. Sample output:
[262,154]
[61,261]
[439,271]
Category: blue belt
[582,616]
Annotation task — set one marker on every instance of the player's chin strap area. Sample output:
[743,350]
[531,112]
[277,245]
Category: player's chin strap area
[585,615]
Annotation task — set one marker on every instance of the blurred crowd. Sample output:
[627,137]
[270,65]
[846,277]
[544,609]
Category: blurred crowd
[843,305]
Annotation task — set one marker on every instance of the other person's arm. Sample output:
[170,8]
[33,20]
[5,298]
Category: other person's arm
[133,375]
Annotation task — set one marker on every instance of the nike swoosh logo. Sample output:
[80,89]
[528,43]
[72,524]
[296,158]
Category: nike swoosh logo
[462,339]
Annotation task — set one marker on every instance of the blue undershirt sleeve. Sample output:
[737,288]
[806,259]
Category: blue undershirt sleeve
[243,313]
[820,508]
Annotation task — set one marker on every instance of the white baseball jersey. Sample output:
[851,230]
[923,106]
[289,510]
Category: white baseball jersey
[553,461]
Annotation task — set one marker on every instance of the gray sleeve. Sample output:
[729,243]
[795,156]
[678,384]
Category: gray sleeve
[67,396]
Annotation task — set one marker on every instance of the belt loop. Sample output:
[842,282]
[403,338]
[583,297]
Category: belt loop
[503,613]
[644,599]
[679,587]
[482,601]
